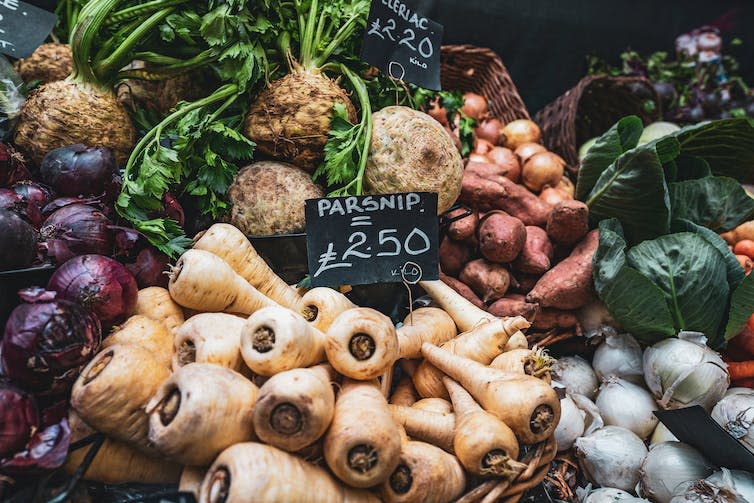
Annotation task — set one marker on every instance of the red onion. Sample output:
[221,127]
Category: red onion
[47,450]
[173,208]
[60,202]
[102,285]
[33,192]
[125,241]
[12,168]
[77,169]
[18,241]
[18,418]
[149,268]
[77,229]
[47,341]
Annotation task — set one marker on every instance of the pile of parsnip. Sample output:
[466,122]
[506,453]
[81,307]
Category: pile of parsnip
[238,386]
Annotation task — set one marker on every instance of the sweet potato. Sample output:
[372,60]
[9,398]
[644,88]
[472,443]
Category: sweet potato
[568,285]
[523,283]
[522,204]
[463,228]
[536,257]
[743,231]
[453,256]
[568,222]
[460,287]
[489,281]
[479,193]
[549,318]
[514,304]
[501,237]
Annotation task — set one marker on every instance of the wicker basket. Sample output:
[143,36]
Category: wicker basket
[477,69]
[589,109]
[537,462]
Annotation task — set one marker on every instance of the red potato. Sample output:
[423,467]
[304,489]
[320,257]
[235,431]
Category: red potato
[501,237]
[484,190]
[568,285]
[524,283]
[486,169]
[463,290]
[746,263]
[514,305]
[480,193]
[488,280]
[453,256]
[744,247]
[463,228]
[536,256]
[490,130]
[743,231]
[568,222]
[506,159]
[523,204]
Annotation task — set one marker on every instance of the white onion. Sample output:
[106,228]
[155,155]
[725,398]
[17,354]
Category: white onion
[662,434]
[576,375]
[667,465]
[739,391]
[735,413]
[606,495]
[593,420]
[619,356]
[623,403]
[571,425]
[702,491]
[596,320]
[736,480]
[611,457]
[683,371]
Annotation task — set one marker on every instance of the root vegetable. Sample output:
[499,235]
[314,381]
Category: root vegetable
[521,131]
[463,228]
[269,474]
[482,147]
[322,305]
[485,193]
[514,304]
[480,193]
[425,474]
[541,170]
[537,253]
[743,231]
[275,339]
[438,405]
[533,362]
[501,237]
[490,130]
[112,391]
[516,341]
[568,285]
[464,313]
[529,406]
[209,338]
[474,105]
[145,332]
[524,283]
[157,304]
[199,411]
[480,158]
[426,324]
[549,318]
[484,444]
[267,197]
[362,457]
[461,289]
[567,186]
[568,222]
[507,160]
[295,407]
[428,426]
[482,344]
[404,392]
[191,480]
[231,245]
[526,150]
[203,281]
[553,196]
[453,256]
[438,112]
[489,281]
[410,152]
[48,63]
[117,462]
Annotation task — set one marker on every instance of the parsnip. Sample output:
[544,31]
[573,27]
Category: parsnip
[426,324]
[156,303]
[150,334]
[210,338]
[404,392]
[322,305]
[191,480]
[428,426]
[199,411]
[534,362]
[439,405]
[464,313]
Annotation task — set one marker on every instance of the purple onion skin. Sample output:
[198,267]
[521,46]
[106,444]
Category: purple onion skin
[12,168]
[149,268]
[47,341]
[18,241]
[100,284]
[47,450]
[20,418]
[77,229]
[60,202]
[33,192]
[78,170]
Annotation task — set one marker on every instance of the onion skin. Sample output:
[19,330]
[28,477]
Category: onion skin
[12,167]
[47,342]
[490,130]
[506,159]
[23,238]
[100,284]
[77,229]
[543,169]
[554,196]
[482,146]
[150,268]
[526,150]
[76,170]
[521,131]
[18,411]
[33,192]
[474,105]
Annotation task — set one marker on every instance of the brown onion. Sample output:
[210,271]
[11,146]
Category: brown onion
[438,112]
[521,131]
[482,146]
[553,196]
[566,185]
[543,169]
[473,157]
[489,129]
[526,150]
[474,105]
[506,159]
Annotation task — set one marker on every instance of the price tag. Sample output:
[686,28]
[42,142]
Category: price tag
[23,27]
[403,43]
[372,239]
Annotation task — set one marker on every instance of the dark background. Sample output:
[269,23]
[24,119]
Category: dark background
[544,43]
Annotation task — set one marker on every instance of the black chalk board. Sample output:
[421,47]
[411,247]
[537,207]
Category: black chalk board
[23,27]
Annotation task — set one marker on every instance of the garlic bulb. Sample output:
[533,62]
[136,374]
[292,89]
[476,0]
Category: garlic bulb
[611,457]
[735,480]
[571,425]
[735,413]
[606,495]
[662,434]
[667,465]
[619,356]
[623,403]
[576,375]
[683,371]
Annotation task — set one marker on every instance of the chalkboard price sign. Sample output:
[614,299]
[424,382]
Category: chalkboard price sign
[403,43]
[383,238]
[23,27]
